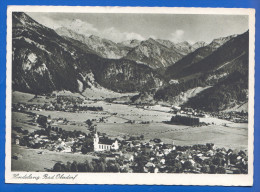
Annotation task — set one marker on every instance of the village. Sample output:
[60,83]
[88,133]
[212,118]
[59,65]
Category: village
[127,152]
[58,103]
[130,154]
[77,104]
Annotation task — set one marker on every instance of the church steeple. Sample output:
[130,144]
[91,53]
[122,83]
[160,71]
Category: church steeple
[96,137]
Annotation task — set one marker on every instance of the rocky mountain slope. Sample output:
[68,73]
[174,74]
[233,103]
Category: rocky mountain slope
[225,70]
[103,47]
[43,61]
[184,47]
[153,54]
[159,53]
[210,77]
[130,43]
[198,44]
[182,67]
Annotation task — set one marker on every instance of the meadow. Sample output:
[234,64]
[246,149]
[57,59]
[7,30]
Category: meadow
[121,120]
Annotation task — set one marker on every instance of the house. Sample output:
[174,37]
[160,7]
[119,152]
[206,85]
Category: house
[129,157]
[66,149]
[49,119]
[166,151]
[162,161]
[156,170]
[146,149]
[17,141]
[104,144]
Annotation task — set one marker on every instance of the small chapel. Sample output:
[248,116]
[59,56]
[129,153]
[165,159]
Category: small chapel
[104,144]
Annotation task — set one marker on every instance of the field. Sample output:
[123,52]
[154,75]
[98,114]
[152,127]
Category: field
[123,120]
[222,133]
[41,160]
[228,137]
[23,120]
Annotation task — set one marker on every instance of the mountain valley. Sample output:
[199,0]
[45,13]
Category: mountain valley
[211,77]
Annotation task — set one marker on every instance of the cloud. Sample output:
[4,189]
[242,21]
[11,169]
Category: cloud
[177,36]
[87,29]
[118,36]
[48,22]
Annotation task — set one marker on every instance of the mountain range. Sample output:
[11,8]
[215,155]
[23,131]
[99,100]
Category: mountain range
[155,53]
[46,60]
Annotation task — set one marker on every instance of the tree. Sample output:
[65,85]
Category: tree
[101,167]
[112,166]
[42,120]
[89,122]
[178,167]
[170,158]
[81,167]
[68,166]
[171,169]
[25,132]
[205,169]
[212,169]
[23,142]
[140,161]
[233,158]
[60,130]
[91,128]
[90,166]
[74,167]
[87,166]
[216,161]
[36,146]
[84,150]
[221,170]
[187,165]
[94,164]
[58,167]
[102,158]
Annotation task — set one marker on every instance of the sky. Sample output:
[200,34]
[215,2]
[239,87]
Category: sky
[120,27]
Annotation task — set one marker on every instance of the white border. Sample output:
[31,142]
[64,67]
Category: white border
[135,178]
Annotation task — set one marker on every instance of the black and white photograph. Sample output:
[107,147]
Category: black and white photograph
[130,95]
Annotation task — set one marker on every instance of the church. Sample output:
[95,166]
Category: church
[104,144]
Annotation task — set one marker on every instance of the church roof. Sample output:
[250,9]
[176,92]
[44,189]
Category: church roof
[106,141]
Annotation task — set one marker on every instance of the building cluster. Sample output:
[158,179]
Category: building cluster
[189,112]
[133,154]
[156,157]
[236,117]
[140,155]
[51,138]
[60,105]
[185,115]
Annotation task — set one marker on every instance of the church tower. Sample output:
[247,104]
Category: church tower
[96,141]
[173,146]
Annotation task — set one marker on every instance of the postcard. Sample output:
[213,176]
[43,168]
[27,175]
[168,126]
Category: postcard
[130,95]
